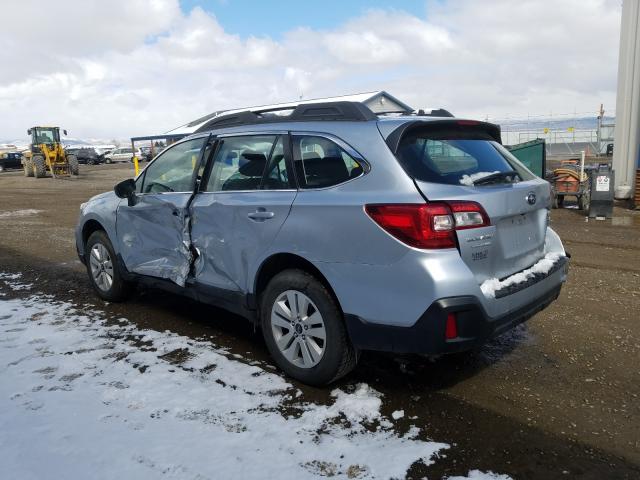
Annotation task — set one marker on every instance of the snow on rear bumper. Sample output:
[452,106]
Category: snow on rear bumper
[544,268]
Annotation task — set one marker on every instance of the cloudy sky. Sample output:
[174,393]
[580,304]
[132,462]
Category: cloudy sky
[117,68]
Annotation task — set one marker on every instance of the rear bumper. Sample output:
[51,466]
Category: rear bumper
[427,335]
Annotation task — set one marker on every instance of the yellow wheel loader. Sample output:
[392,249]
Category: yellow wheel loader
[47,154]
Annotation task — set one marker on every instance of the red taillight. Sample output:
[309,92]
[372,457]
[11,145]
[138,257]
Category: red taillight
[451,328]
[428,225]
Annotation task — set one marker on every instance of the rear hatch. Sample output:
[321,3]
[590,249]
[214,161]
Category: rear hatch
[458,160]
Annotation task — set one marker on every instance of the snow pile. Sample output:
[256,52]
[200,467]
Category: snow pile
[20,213]
[544,265]
[478,475]
[474,177]
[82,395]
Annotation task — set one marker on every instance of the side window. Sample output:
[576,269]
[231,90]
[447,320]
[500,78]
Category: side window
[319,162]
[240,162]
[173,170]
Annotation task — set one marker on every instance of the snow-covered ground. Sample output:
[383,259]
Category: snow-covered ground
[85,396]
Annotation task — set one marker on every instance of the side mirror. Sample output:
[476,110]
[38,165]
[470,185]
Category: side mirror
[126,189]
[29,132]
[65,132]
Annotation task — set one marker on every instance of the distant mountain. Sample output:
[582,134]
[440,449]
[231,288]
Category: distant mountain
[579,123]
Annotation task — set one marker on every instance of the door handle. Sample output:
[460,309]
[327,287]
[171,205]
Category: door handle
[260,215]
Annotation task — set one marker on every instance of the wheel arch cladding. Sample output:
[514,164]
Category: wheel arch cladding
[280,262]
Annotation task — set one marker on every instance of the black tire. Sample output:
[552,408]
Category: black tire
[74,167]
[1,168]
[120,289]
[584,200]
[28,168]
[339,356]
[560,201]
[39,166]
[107,160]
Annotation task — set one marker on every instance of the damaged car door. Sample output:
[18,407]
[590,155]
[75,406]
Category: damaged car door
[153,230]
[245,199]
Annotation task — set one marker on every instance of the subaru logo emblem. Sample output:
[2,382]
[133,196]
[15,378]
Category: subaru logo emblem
[531,198]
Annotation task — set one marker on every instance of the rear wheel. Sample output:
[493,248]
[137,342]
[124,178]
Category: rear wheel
[72,160]
[28,168]
[103,269]
[304,330]
[560,201]
[39,166]
[1,168]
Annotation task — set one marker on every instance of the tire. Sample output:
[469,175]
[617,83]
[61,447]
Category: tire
[102,266]
[325,360]
[39,166]
[554,201]
[560,201]
[107,160]
[584,200]
[72,160]
[28,168]
[1,168]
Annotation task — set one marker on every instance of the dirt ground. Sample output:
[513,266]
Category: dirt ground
[555,398]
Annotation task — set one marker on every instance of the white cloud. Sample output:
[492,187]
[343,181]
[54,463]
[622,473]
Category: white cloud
[126,67]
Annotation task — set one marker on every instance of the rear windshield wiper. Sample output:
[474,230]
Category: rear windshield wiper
[495,177]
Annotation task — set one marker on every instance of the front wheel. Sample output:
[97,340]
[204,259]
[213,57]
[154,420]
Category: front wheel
[103,269]
[304,329]
[39,166]
[74,168]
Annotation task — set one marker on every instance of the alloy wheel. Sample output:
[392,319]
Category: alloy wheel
[101,267]
[298,329]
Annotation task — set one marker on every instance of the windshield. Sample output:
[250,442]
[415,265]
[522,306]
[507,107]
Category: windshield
[47,135]
[458,161]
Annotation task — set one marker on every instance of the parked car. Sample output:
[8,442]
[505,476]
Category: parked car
[86,155]
[337,231]
[123,154]
[10,160]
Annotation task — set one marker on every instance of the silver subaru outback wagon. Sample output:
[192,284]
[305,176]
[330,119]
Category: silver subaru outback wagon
[336,230]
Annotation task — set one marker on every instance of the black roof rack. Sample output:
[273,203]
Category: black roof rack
[343,111]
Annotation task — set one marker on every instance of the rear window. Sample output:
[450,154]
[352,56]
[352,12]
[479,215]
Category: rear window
[456,161]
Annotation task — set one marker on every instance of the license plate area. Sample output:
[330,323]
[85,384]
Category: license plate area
[518,234]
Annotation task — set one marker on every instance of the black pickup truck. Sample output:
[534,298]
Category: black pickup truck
[10,160]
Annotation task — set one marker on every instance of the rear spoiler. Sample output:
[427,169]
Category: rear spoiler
[446,129]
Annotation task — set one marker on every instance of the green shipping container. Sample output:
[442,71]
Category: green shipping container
[533,154]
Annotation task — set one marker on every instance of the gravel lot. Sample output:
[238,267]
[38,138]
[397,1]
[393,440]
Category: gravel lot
[555,398]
